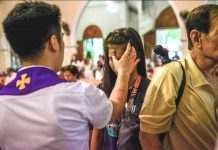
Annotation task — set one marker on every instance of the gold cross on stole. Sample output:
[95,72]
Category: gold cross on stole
[22,83]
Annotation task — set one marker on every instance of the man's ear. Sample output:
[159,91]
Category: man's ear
[195,37]
[53,42]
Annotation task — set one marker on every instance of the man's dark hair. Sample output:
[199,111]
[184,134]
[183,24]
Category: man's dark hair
[200,19]
[120,38]
[29,26]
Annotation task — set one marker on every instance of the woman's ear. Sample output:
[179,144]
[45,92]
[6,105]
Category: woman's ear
[195,37]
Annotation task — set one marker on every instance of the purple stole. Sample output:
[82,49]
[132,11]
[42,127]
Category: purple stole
[31,79]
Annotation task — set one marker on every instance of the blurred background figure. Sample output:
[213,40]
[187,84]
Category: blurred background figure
[87,71]
[2,80]
[99,71]
[60,73]
[71,73]
[73,60]
[150,71]
[176,57]
[11,74]
[159,64]
[101,59]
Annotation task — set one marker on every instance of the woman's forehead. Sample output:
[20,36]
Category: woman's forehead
[116,50]
[117,47]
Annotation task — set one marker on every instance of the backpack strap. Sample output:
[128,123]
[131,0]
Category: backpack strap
[182,86]
[180,92]
[141,94]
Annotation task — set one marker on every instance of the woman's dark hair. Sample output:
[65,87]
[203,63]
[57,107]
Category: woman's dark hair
[120,38]
[200,19]
[30,25]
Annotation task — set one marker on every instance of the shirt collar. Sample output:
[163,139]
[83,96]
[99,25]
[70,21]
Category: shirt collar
[34,66]
[197,78]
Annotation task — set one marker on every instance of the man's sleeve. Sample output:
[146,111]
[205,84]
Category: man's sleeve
[98,108]
[159,103]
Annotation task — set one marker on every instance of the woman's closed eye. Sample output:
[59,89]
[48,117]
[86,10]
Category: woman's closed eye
[110,59]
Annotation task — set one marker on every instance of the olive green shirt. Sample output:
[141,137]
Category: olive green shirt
[193,126]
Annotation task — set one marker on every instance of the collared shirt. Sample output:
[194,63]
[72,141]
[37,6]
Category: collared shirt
[193,126]
[55,117]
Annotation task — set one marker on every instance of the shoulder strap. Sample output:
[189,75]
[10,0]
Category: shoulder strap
[143,85]
[142,90]
[182,85]
[140,96]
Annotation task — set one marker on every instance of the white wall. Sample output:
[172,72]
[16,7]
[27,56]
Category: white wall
[179,6]
[70,13]
[97,13]
[5,54]
[147,18]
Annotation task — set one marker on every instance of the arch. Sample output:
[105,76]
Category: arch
[173,5]
[166,19]
[77,45]
[149,43]
[76,21]
[92,31]
[181,26]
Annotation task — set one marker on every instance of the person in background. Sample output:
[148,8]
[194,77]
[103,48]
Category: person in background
[150,71]
[88,62]
[115,45]
[87,70]
[159,64]
[1,83]
[99,71]
[60,73]
[11,74]
[2,79]
[102,59]
[71,73]
[73,60]
[193,124]
[39,110]
[176,56]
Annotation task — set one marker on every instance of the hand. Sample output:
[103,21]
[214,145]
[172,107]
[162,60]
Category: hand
[127,62]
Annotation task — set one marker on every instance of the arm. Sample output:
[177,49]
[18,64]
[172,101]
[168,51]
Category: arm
[159,106]
[96,139]
[150,141]
[124,68]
